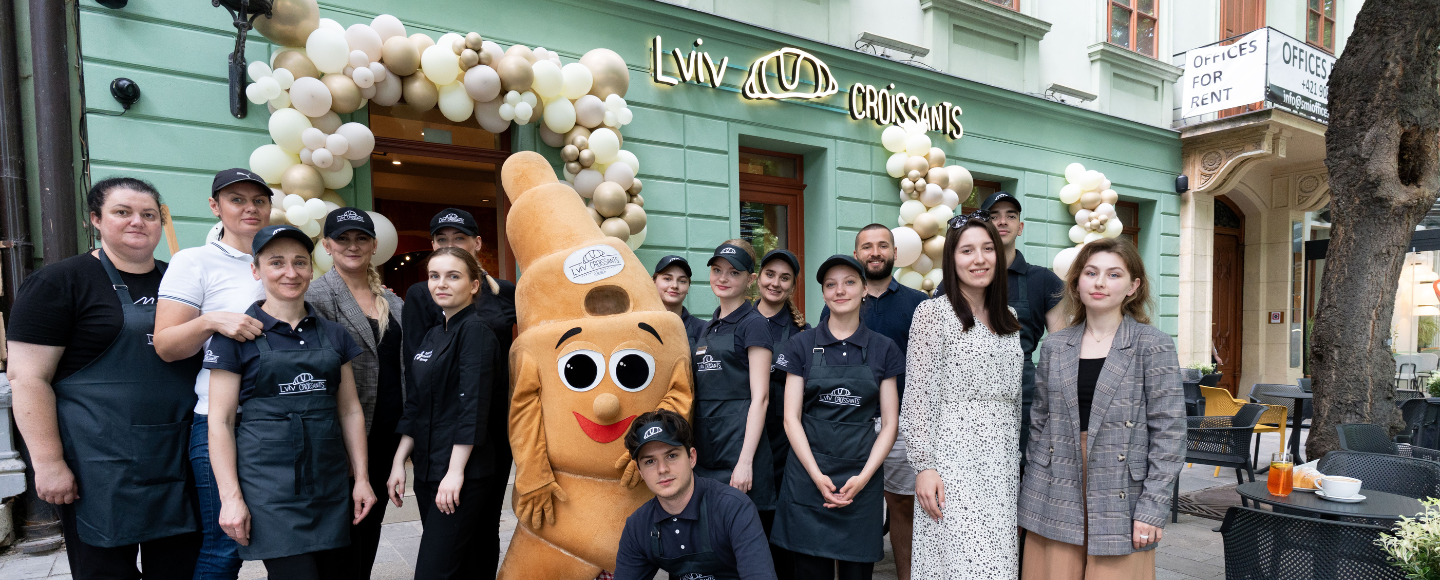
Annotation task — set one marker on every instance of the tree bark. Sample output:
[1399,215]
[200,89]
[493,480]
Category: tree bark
[1381,151]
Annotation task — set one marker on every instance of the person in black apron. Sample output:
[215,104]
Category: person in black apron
[444,429]
[841,373]
[732,365]
[106,420]
[282,470]
[672,281]
[779,283]
[694,527]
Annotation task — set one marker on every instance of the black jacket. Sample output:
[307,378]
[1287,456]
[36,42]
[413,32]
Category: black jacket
[455,370]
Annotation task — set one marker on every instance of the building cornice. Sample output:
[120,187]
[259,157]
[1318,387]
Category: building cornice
[987,13]
[1134,61]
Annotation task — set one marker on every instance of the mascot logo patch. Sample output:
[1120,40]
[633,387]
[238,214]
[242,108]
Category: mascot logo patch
[211,357]
[651,432]
[304,383]
[708,363]
[781,360]
[351,216]
[840,396]
[593,264]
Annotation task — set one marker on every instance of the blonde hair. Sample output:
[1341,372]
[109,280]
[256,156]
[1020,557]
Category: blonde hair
[750,289]
[382,306]
[1136,305]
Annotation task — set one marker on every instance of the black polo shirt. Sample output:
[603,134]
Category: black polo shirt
[736,536]
[242,358]
[452,401]
[694,327]
[889,315]
[780,322]
[746,323]
[885,359]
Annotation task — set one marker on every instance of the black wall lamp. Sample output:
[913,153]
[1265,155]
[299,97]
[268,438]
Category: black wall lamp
[125,91]
[113,4]
[244,13]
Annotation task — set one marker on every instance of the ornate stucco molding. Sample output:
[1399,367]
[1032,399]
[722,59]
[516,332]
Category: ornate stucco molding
[1216,161]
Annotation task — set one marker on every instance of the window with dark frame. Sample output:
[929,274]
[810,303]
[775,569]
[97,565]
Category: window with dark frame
[1134,25]
[772,206]
[1011,4]
[1320,24]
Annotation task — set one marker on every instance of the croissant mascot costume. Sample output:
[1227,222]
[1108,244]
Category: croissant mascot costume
[596,348]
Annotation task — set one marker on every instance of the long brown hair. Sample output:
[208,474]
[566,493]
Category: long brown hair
[472,266]
[1002,321]
[1136,306]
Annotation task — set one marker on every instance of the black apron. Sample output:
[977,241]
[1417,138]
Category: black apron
[291,457]
[124,426]
[722,403]
[1027,372]
[840,405]
[704,564]
[775,413]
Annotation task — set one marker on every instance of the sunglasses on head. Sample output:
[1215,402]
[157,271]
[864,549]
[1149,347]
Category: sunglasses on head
[978,216]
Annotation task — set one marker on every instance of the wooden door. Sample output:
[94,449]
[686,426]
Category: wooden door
[772,206]
[1238,17]
[1228,284]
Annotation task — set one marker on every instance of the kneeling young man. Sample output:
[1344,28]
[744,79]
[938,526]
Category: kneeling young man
[695,527]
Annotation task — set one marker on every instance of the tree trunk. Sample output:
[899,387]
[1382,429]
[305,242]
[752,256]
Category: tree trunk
[1381,151]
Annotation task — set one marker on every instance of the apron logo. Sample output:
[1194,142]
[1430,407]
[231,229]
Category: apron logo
[351,216]
[840,396]
[707,364]
[697,576]
[209,356]
[651,432]
[450,218]
[424,356]
[593,264]
[304,383]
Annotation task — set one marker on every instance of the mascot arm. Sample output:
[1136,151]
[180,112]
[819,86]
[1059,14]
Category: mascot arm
[677,399]
[535,487]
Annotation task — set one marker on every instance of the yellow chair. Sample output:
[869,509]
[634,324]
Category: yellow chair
[1219,403]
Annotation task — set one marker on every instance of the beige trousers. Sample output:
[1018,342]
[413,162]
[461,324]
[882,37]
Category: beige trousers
[1047,559]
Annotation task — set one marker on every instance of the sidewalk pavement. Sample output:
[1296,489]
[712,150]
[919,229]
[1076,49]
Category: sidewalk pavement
[1190,550]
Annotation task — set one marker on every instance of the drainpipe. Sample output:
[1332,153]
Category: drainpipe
[49,48]
[16,250]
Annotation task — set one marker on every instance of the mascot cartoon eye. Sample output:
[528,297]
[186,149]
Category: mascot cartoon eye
[632,369]
[581,370]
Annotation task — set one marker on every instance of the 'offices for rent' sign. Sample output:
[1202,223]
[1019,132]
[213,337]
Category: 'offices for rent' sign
[1264,65]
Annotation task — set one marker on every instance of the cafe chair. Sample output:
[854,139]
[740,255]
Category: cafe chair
[1211,379]
[1369,438]
[1306,384]
[1405,371]
[1219,441]
[1218,402]
[1194,401]
[1412,411]
[1407,476]
[1262,545]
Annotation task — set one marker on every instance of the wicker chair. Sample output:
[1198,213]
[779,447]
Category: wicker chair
[1222,442]
[1368,438]
[1306,384]
[1218,402]
[1411,411]
[1194,401]
[1405,476]
[1261,545]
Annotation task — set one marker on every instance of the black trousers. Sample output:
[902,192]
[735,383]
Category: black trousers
[359,556]
[171,558]
[784,568]
[809,567]
[462,544]
[322,565]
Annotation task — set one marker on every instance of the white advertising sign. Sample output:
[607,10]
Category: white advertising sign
[593,264]
[1221,77]
[1299,77]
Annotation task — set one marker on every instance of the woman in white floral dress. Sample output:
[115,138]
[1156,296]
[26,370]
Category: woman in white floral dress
[961,414]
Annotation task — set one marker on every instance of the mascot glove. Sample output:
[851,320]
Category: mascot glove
[538,507]
[631,476]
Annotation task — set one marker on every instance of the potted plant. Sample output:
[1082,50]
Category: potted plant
[1414,547]
[1432,388]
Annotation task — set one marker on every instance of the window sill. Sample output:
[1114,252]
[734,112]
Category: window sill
[990,14]
[1134,61]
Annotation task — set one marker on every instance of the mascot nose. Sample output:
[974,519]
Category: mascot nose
[607,408]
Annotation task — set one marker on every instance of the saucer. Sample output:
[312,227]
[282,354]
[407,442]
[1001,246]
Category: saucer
[1304,489]
[1356,499]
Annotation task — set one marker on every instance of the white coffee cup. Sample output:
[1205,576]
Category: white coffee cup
[1338,487]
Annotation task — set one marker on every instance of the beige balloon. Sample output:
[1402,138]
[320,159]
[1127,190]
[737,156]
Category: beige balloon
[615,228]
[636,198]
[610,199]
[474,41]
[421,41]
[595,215]
[581,133]
[523,52]
[516,73]
[1109,196]
[400,56]
[918,164]
[938,176]
[290,22]
[925,225]
[302,180]
[297,63]
[1074,208]
[1090,199]
[419,92]
[936,157]
[345,96]
[635,216]
[469,58]
[570,153]
[333,196]
[611,75]
[933,248]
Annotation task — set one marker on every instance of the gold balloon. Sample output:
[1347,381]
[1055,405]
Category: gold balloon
[933,247]
[515,73]
[570,153]
[523,52]
[297,63]
[579,137]
[400,56]
[473,41]
[573,167]
[457,46]
[290,22]
[611,75]
[635,191]
[487,59]
[469,58]
[936,157]
[595,215]
[1090,199]
[587,158]
[925,225]
[1075,208]
[917,164]
[615,228]
[333,196]
[907,186]
[938,176]
[927,284]
[419,92]
[302,180]
[421,41]
[920,185]
[345,96]
[635,216]
[609,199]
[636,198]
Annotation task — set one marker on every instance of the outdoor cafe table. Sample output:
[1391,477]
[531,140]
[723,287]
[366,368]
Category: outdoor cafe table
[1378,505]
[1300,399]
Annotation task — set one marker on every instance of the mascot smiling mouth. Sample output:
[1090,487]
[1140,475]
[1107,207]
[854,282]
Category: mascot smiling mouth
[603,433]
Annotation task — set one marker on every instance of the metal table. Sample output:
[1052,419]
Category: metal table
[1299,418]
[1378,505]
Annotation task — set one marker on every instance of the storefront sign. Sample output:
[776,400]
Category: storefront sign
[790,66]
[1299,77]
[1221,77]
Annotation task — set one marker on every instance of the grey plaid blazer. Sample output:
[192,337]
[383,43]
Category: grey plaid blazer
[1136,440]
[333,300]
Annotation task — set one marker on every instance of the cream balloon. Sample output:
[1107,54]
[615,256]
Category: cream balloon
[448,39]
[297,215]
[1073,173]
[576,81]
[482,83]
[387,27]
[1109,196]
[360,138]
[322,261]
[918,145]
[455,103]
[310,96]
[637,239]
[328,50]
[630,159]
[421,41]
[316,208]
[910,209]
[549,81]
[270,162]
[340,175]
[893,138]
[386,237]
[1063,260]
[1113,228]
[606,144]
[895,165]
[942,215]
[440,64]
[1092,236]
[936,277]
[961,182]
[908,246]
[559,115]
[1091,180]
[286,125]
[912,279]
[291,200]
[1070,193]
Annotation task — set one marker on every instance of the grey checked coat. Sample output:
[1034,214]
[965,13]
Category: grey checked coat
[1136,440]
[333,300]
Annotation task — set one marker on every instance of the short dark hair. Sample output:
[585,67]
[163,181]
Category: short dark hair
[100,192]
[672,421]
[874,227]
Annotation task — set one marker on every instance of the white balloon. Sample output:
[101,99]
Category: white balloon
[576,80]
[625,116]
[387,27]
[1073,173]
[297,214]
[328,24]
[1104,185]
[621,174]
[529,98]
[589,111]
[310,96]
[1063,260]
[907,246]
[895,165]
[1070,193]
[366,39]
[440,64]
[357,59]
[286,128]
[448,39]
[361,140]
[284,77]
[610,119]
[455,104]
[630,159]
[327,49]
[1092,236]
[255,93]
[316,208]
[523,112]
[910,209]
[291,200]
[586,181]
[605,144]
[1104,209]
[305,156]
[912,279]
[337,144]
[893,138]
[512,98]
[1077,234]
[257,70]
[313,138]
[635,240]
[488,115]
[280,102]
[942,215]
[379,71]
[388,90]
[322,158]
[922,264]
[482,83]
[951,200]
[340,175]
[270,162]
[917,144]
[363,77]
[559,115]
[549,81]
[1113,228]
[386,237]
[330,206]
[1091,180]
[313,229]
[614,103]
[932,196]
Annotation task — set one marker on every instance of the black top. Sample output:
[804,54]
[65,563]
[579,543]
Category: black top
[884,358]
[780,322]
[389,399]
[242,358]
[694,327]
[1085,380]
[746,323]
[734,527]
[72,304]
[450,401]
[890,314]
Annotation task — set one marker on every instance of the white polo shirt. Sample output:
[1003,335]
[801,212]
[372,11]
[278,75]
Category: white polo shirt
[212,278]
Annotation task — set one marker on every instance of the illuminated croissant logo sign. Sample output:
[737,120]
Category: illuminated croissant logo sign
[789,73]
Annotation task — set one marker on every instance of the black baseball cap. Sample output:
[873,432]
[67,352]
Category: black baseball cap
[454,218]
[268,234]
[839,260]
[778,254]
[652,432]
[1000,196]
[348,218]
[235,175]
[669,261]
[736,255]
